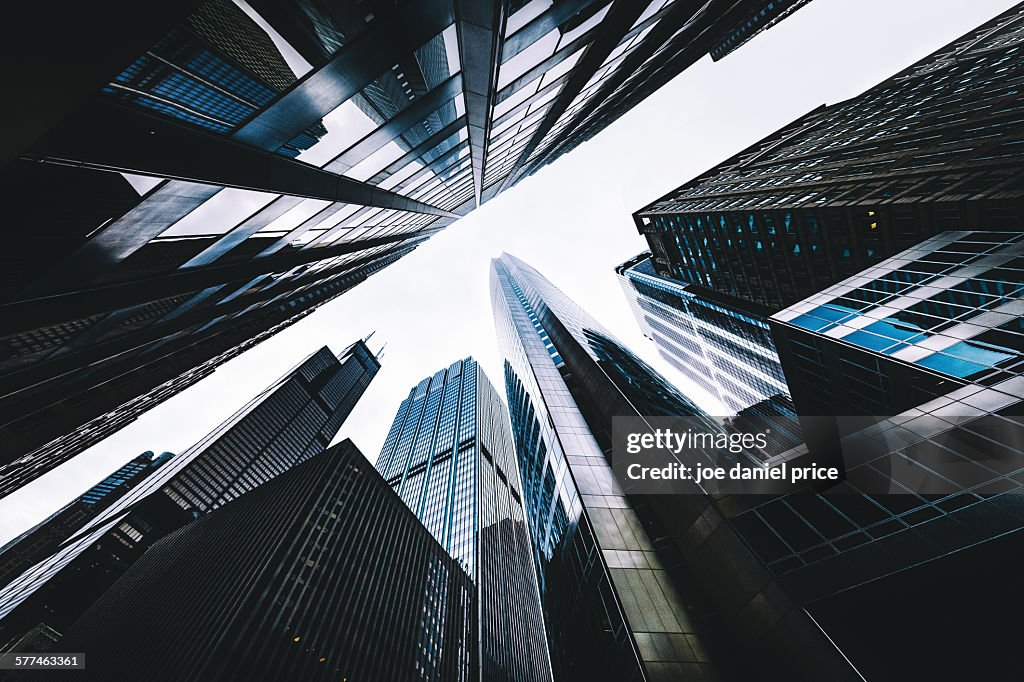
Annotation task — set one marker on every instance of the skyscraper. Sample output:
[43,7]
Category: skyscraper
[931,321]
[291,420]
[319,574]
[918,362]
[427,110]
[45,538]
[634,586]
[721,344]
[39,435]
[933,148]
[214,71]
[727,350]
[449,456]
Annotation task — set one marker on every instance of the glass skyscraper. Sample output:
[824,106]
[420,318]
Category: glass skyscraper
[319,574]
[726,350]
[721,344]
[449,455]
[290,421]
[214,71]
[45,538]
[918,362]
[232,166]
[634,586]
[933,148]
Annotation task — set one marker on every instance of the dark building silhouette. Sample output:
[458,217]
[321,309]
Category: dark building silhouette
[635,586]
[45,538]
[758,19]
[916,363]
[933,148]
[449,456]
[290,421]
[170,367]
[320,574]
[883,233]
[274,192]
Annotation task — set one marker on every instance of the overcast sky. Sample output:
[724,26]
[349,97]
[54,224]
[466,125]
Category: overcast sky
[571,221]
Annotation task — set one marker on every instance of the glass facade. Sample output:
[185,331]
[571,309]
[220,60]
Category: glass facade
[727,351]
[723,346]
[933,148]
[450,458]
[214,72]
[760,19]
[283,151]
[289,422]
[626,595]
[343,583]
[178,361]
[45,538]
[948,311]
[918,362]
[118,482]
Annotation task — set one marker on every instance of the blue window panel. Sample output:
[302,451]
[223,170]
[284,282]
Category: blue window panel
[963,360]
[823,317]
[898,332]
[872,341]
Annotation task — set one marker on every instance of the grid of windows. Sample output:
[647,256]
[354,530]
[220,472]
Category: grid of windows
[278,429]
[401,99]
[458,474]
[846,186]
[590,573]
[729,352]
[326,544]
[945,445]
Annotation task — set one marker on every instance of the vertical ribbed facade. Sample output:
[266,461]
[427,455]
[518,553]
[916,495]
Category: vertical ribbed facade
[320,574]
[287,423]
[449,456]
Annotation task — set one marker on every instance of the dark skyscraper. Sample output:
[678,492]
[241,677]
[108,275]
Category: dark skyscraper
[28,467]
[934,148]
[45,538]
[423,110]
[290,421]
[320,574]
[634,586]
[934,320]
[918,360]
[450,457]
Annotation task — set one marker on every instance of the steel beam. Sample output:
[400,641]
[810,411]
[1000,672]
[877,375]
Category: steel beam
[479,24]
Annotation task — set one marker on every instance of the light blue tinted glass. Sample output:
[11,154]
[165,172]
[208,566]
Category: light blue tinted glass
[870,341]
[963,360]
[821,318]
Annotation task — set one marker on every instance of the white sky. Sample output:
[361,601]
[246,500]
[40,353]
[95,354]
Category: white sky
[571,221]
